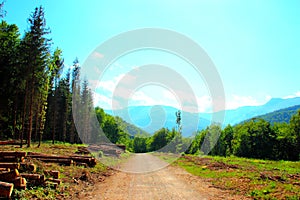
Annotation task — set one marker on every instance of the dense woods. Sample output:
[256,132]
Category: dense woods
[37,89]
[256,138]
[31,85]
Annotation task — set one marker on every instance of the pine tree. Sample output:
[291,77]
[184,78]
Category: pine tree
[36,59]
[75,90]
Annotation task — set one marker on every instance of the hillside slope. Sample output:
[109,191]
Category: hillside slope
[280,116]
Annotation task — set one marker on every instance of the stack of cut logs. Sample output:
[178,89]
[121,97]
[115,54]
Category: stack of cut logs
[108,149]
[64,160]
[13,168]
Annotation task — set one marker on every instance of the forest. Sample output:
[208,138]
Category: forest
[36,95]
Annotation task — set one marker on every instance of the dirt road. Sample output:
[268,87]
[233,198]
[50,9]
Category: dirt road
[167,183]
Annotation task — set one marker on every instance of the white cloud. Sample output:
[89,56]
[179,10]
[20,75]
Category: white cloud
[237,101]
[109,85]
[101,101]
[140,98]
[204,103]
[296,94]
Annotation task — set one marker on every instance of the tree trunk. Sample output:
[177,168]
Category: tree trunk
[54,114]
[72,131]
[30,118]
[24,115]
[15,118]
[36,123]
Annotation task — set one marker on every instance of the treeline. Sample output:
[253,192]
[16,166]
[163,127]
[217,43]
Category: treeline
[163,140]
[256,138]
[120,132]
[36,87]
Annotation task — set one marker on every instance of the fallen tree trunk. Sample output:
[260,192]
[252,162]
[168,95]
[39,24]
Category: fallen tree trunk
[53,180]
[11,159]
[33,176]
[90,161]
[53,173]
[6,189]
[10,165]
[9,176]
[57,160]
[18,154]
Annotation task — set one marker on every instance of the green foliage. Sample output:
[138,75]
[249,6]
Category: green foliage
[280,116]
[140,144]
[131,129]
[256,138]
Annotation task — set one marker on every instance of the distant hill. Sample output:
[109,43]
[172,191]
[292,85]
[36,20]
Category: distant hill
[130,128]
[244,113]
[280,116]
[152,118]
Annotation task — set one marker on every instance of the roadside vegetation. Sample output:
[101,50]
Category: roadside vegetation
[254,178]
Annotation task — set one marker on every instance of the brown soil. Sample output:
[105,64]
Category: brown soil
[167,183]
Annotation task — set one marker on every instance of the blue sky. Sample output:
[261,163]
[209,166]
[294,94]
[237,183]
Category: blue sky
[255,45]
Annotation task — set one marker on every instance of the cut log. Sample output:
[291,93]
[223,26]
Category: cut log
[59,161]
[80,159]
[9,176]
[9,159]
[19,183]
[6,189]
[53,180]
[18,154]
[53,173]
[82,150]
[10,165]
[31,176]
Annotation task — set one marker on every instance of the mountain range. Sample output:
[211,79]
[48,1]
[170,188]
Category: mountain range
[280,116]
[152,118]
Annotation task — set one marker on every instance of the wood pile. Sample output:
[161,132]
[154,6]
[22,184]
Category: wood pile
[65,160]
[10,180]
[108,149]
[12,163]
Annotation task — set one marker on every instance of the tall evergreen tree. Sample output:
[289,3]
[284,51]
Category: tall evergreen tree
[35,47]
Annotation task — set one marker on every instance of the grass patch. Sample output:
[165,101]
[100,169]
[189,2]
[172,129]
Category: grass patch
[259,179]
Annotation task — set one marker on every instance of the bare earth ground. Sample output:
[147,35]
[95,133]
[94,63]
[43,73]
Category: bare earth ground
[167,183]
